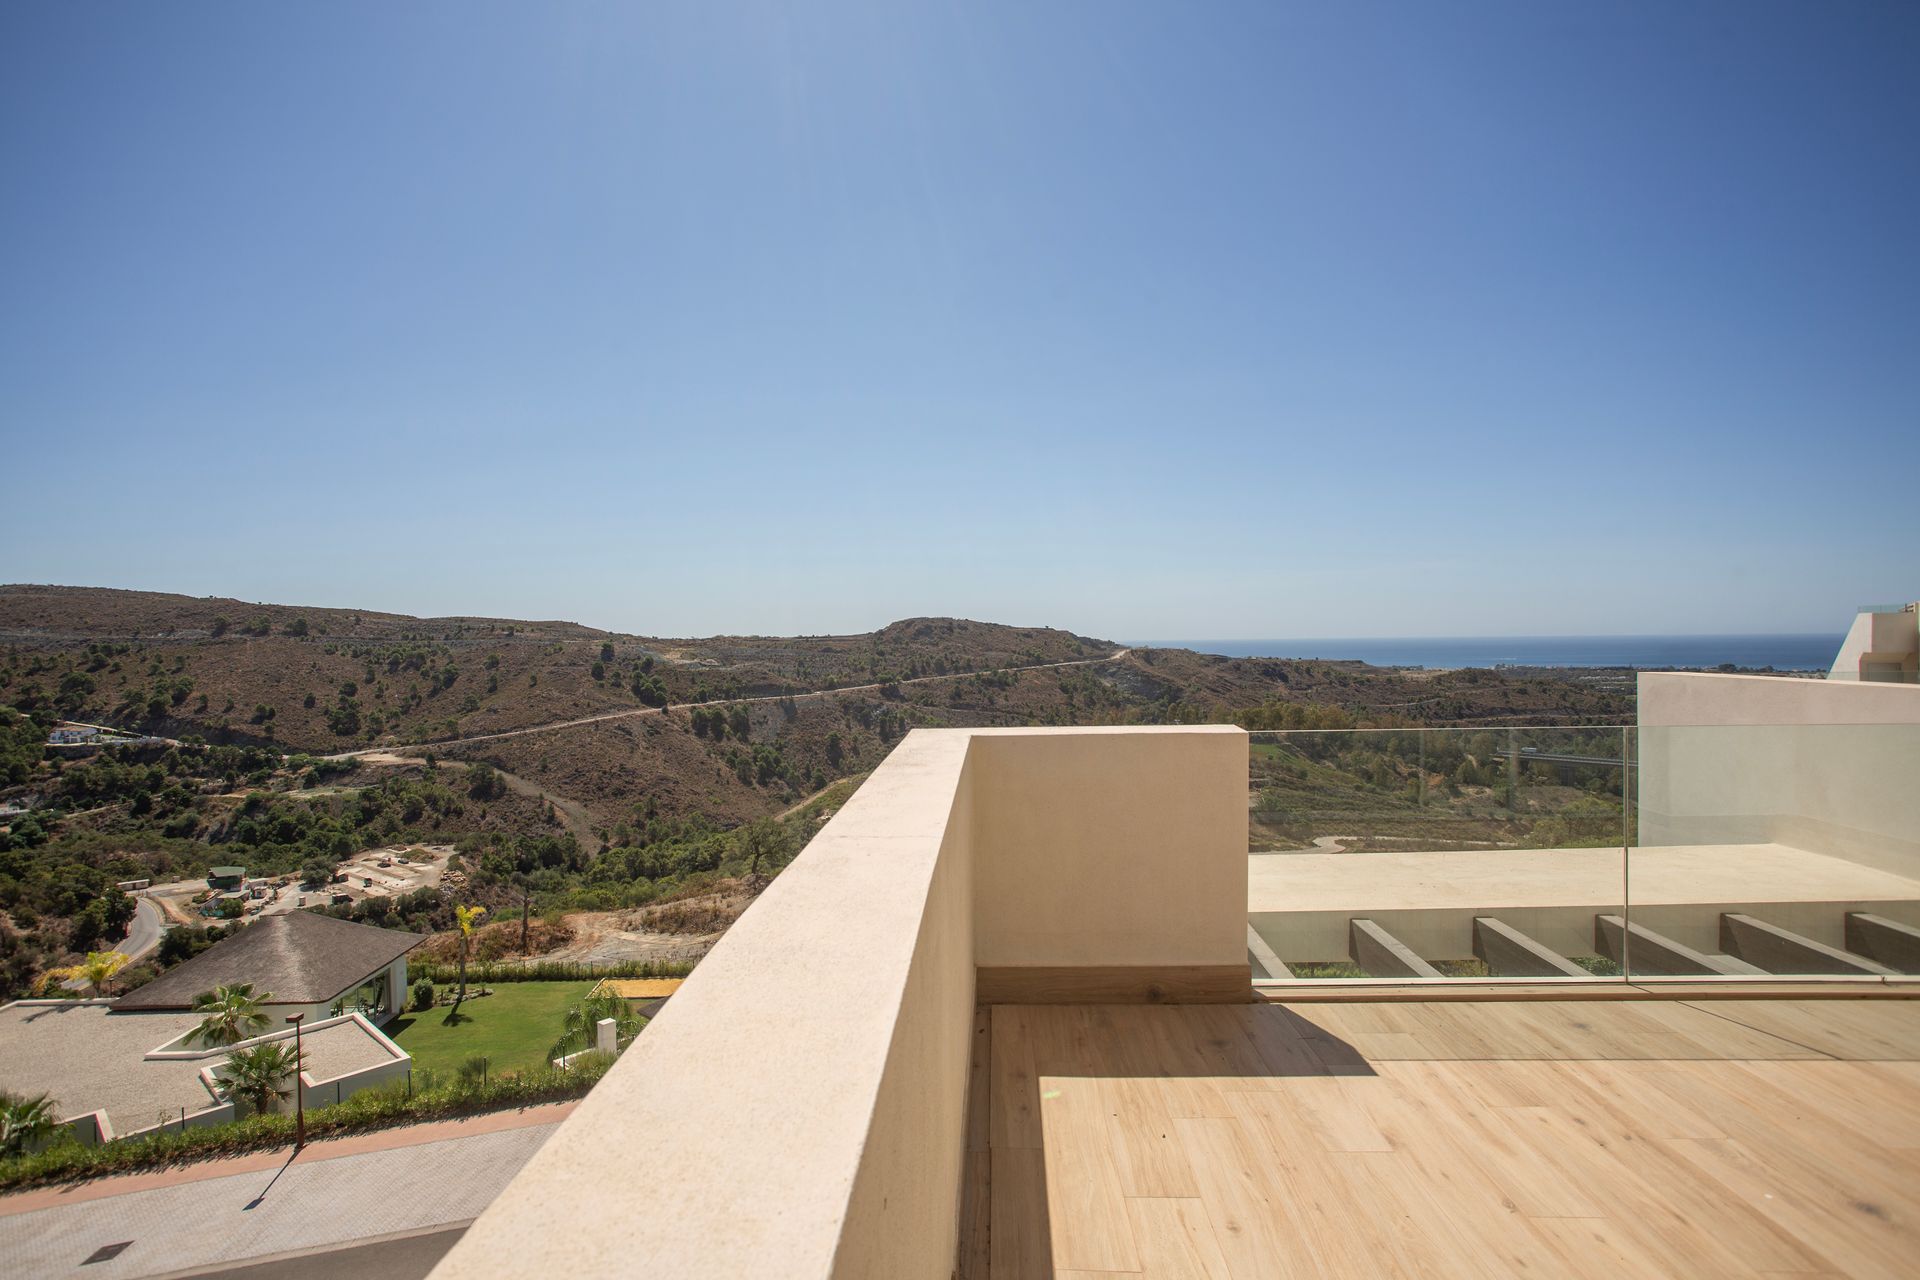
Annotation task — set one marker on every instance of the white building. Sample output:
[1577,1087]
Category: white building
[1882,645]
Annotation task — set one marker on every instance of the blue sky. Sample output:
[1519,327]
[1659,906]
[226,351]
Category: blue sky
[1137,319]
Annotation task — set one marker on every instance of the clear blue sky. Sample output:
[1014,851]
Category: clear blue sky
[1139,319]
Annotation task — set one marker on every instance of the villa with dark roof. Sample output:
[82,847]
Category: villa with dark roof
[302,963]
[127,1066]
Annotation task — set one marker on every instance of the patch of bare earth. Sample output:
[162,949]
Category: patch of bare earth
[609,937]
[681,931]
[499,942]
[698,914]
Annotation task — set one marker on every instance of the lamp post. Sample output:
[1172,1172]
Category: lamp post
[299,1102]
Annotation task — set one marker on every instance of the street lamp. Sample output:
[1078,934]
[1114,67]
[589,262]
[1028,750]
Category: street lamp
[299,1101]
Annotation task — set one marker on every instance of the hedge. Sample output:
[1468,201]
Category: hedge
[68,1161]
[548,971]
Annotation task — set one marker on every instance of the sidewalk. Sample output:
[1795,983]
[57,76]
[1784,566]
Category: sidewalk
[320,1149]
[391,1184]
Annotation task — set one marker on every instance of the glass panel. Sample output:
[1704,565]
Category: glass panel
[1787,850]
[1493,852]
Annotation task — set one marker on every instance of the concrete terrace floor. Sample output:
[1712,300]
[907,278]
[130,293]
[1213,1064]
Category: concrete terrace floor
[1301,903]
[1726,1137]
[1360,884]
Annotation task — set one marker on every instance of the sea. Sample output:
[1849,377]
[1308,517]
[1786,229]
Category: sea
[1799,652]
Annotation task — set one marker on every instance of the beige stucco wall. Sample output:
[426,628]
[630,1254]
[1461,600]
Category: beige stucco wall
[1879,646]
[727,1141]
[1709,698]
[798,1108]
[1828,766]
[1111,847]
[396,989]
[899,1219]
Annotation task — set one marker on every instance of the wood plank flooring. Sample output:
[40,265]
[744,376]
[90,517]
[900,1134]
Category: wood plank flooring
[1726,1138]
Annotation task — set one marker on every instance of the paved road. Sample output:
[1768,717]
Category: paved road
[633,712]
[295,1215]
[407,1257]
[143,934]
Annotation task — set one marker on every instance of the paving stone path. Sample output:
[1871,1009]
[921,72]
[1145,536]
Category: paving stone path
[293,1205]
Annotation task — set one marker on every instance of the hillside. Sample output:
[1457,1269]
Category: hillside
[725,728]
[596,770]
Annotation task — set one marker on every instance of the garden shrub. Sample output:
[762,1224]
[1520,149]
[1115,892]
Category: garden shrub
[429,1098]
[552,971]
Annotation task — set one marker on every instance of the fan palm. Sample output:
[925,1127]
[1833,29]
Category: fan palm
[24,1122]
[577,1032]
[261,1076]
[232,1014]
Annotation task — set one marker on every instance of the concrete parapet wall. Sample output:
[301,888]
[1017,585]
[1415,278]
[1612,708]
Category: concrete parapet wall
[803,1097]
[1826,766]
[218,1113]
[1111,847]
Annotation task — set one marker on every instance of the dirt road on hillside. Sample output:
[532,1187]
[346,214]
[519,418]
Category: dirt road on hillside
[635,712]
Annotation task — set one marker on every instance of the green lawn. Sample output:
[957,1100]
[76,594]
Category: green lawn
[514,1027]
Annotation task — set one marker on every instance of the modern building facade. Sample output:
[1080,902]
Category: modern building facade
[1882,645]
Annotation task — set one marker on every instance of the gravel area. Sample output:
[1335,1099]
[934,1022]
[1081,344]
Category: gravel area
[89,1058]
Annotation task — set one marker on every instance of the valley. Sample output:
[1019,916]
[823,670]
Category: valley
[573,773]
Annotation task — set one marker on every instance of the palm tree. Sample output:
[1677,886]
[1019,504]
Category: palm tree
[232,1014]
[24,1122]
[585,1016]
[260,1076]
[95,972]
[468,918]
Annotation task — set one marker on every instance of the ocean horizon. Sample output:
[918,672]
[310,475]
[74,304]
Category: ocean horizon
[1788,652]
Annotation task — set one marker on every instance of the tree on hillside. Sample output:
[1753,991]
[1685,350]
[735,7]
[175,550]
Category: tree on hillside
[468,919]
[230,1014]
[764,842]
[484,781]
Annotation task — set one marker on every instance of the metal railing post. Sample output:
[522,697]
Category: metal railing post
[1626,854]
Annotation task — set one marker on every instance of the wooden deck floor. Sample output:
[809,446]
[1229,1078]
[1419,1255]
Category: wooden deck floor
[1616,1140]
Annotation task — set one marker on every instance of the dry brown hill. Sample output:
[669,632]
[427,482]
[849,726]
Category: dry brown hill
[615,729]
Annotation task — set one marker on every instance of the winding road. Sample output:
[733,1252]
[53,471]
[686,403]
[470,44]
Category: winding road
[634,712]
[143,935]
[143,931]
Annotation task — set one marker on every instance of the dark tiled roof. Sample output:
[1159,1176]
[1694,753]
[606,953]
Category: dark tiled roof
[295,958]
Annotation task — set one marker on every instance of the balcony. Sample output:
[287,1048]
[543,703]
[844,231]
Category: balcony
[1747,827]
[1000,1019]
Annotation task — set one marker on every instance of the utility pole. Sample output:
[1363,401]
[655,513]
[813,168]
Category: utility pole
[299,1100]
